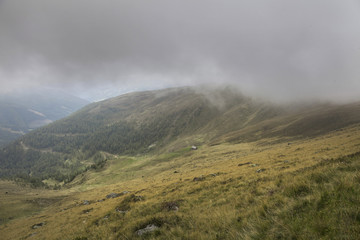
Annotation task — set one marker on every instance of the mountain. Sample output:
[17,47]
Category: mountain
[20,112]
[130,124]
[124,168]
[162,121]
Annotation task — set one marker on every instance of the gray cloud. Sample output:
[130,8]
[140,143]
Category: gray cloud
[280,49]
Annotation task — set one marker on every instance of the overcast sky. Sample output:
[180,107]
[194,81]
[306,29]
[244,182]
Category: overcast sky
[283,49]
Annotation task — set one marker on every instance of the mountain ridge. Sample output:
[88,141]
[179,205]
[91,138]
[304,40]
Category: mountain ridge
[21,112]
[260,171]
[161,121]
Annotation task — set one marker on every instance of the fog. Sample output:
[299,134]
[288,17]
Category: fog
[284,50]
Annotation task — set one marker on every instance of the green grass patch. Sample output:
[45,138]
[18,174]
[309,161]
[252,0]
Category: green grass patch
[329,209]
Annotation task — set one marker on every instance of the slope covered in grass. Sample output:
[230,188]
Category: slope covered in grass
[266,189]
[155,122]
[135,123]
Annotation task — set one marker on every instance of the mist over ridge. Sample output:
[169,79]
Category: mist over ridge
[281,50]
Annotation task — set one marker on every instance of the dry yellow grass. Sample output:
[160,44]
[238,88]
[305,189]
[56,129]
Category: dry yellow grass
[229,200]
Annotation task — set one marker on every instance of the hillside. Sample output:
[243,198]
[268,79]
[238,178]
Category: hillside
[123,168]
[157,122]
[130,124]
[308,189]
[20,112]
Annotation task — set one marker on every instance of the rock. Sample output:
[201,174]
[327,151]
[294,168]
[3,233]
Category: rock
[137,198]
[31,235]
[113,195]
[201,178]
[242,164]
[121,211]
[194,148]
[86,202]
[254,165]
[86,211]
[35,226]
[149,228]
[260,170]
[152,146]
[170,206]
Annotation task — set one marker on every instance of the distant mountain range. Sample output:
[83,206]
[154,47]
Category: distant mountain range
[21,112]
[159,121]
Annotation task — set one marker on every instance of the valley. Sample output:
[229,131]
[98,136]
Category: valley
[125,168]
[23,111]
[179,120]
[228,191]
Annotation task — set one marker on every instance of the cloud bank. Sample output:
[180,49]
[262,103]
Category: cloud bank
[282,49]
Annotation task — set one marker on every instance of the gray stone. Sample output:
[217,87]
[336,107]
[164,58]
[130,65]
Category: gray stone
[35,226]
[149,228]
[201,178]
[242,164]
[113,195]
[86,211]
[121,211]
[170,206]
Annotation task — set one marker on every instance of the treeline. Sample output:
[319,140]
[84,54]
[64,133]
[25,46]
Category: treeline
[34,166]
[58,150]
[59,156]
[118,138]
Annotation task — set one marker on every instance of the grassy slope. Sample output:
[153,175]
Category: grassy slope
[309,122]
[167,119]
[301,194]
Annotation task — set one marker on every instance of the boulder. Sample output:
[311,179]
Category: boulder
[149,228]
[201,178]
[113,195]
[35,226]
[170,206]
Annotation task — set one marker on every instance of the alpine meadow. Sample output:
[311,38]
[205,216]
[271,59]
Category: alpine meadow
[179,120]
[186,163]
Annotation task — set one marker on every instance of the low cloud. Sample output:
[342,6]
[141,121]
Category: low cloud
[284,50]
